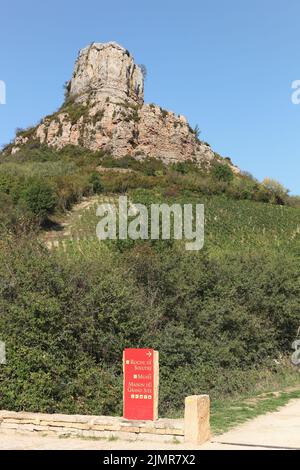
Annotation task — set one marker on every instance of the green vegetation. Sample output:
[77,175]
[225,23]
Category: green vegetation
[66,320]
[197,132]
[229,413]
[230,225]
[144,70]
[63,177]
[223,318]
[39,197]
[222,172]
[25,133]
[75,111]
[130,111]
[95,183]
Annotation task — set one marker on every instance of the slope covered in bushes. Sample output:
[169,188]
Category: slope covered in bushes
[223,318]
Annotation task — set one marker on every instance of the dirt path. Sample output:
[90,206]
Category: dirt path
[277,430]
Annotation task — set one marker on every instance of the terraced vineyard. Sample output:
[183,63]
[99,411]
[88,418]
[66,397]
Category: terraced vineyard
[230,225]
[78,230]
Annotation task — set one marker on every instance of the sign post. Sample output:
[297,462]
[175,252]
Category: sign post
[140,385]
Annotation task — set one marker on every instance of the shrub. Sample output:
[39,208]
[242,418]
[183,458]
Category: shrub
[39,198]
[26,133]
[262,194]
[63,356]
[185,167]
[75,111]
[65,321]
[181,167]
[222,172]
[120,183]
[152,167]
[278,191]
[95,182]
[71,189]
[243,188]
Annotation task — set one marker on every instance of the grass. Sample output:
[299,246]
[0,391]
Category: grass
[268,394]
[226,414]
[92,438]
[175,441]
[87,438]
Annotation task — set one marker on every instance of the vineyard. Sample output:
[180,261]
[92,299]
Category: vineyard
[230,225]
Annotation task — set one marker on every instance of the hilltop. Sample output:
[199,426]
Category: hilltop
[104,110]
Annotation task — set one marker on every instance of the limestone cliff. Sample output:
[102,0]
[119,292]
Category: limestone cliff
[105,110]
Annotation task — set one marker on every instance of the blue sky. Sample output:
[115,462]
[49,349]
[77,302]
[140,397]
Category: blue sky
[227,66]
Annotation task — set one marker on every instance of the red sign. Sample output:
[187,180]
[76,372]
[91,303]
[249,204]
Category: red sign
[140,384]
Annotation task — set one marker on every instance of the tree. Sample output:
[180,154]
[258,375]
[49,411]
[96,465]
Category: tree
[144,70]
[197,132]
[67,89]
[279,192]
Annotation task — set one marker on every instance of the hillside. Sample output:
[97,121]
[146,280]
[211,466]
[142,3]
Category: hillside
[222,318]
[230,225]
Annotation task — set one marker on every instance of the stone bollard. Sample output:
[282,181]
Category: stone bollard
[196,419]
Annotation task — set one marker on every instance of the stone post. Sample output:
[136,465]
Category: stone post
[196,419]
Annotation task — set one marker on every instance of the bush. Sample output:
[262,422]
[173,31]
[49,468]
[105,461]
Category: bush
[243,188]
[71,189]
[39,198]
[74,110]
[219,318]
[222,172]
[95,182]
[66,322]
[262,194]
[278,191]
[184,167]
[65,327]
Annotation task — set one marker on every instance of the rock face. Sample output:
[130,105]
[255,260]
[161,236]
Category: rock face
[105,110]
[103,70]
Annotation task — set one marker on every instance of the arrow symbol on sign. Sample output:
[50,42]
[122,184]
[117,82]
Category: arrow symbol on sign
[149,354]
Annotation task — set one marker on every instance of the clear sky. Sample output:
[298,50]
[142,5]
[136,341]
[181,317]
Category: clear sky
[227,65]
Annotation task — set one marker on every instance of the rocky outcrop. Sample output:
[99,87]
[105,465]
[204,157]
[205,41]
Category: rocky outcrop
[103,70]
[105,110]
